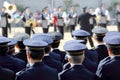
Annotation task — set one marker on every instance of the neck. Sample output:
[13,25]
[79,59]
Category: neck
[72,64]
[31,62]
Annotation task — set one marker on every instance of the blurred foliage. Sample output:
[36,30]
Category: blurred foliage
[69,3]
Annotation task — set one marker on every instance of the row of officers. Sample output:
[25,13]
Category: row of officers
[40,59]
[58,17]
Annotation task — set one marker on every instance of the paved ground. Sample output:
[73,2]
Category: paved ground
[66,37]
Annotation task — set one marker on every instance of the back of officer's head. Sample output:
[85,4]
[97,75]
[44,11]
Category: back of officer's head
[11,46]
[99,33]
[35,49]
[20,37]
[81,35]
[46,38]
[75,52]
[57,36]
[4,45]
[113,44]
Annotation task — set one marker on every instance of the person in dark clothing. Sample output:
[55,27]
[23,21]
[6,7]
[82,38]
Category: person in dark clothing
[6,74]
[113,61]
[37,70]
[101,48]
[57,36]
[76,57]
[20,37]
[49,59]
[8,61]
[91,56]
[11,46]
[83,20]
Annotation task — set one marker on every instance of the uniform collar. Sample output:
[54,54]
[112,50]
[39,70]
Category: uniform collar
[72,65]
[77,66]
[46,54]
[37,64]
[115,57]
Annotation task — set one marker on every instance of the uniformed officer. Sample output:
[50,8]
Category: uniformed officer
[37,69]
[91,56]
[57,36]
[101,48]
[76,57]
[49,59]
[113,62]
[20,37]
[6,74]
[11,46]
[7,61]
[66,63]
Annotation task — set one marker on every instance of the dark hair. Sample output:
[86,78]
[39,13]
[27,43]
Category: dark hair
[115,49]
[47,49]
[21,45]
[55,44]
[3,50]
[11,50]
[99,38]
[81,38]
[76,53]
[36,54]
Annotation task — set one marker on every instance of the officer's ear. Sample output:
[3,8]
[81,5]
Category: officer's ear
[69,61]
[28,54]
[94,37]
[109,52]
[16,46]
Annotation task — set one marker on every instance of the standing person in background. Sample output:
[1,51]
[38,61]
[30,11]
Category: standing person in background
[92,19]
[37,17]
[4,22]
[27,16]
[103,16]
[45,20]
[83,20]
[118,16]
[55,19]
[72,15]
[61,20]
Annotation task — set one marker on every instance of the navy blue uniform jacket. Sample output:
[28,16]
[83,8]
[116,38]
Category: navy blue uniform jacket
[77,72]
[39,71]
[12,63]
